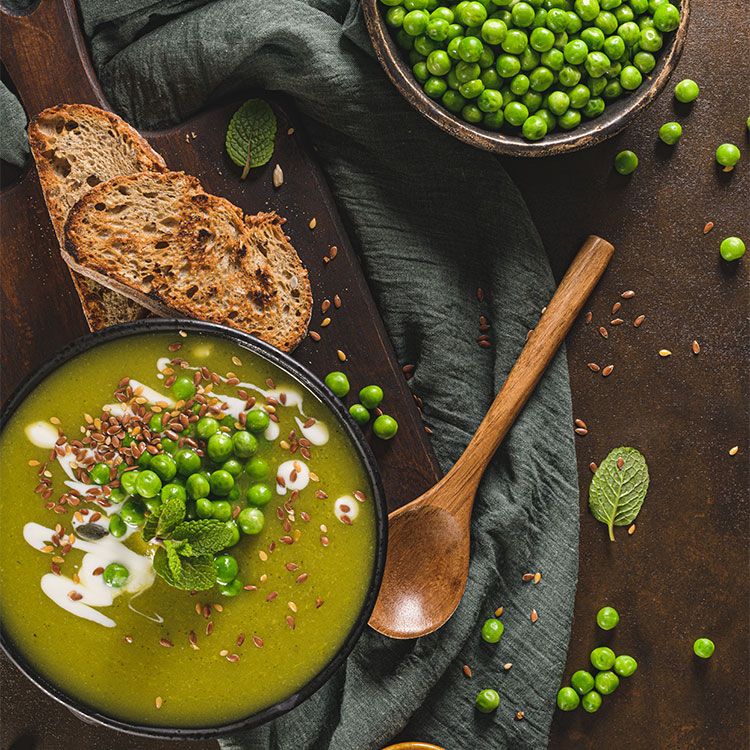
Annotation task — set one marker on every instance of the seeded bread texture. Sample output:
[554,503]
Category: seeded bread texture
[162,241]
[76,147]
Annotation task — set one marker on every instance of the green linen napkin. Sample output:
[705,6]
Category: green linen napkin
[433,219]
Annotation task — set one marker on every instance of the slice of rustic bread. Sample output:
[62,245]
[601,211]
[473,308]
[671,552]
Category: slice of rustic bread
[161,240]
[76,147]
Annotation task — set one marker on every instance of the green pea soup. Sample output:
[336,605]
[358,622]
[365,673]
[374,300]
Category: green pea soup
[150,653]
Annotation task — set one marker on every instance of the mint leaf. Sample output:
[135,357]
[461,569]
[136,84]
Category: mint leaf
[173,559]
[198,573]
[172,514]
[205,536]
[151,525]
[617,492]
[252,130]
[187,573]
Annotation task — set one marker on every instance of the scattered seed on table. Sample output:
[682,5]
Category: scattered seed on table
[665,353]
[734,450]
[580,423]
[696,347]
[593,367]
[603,332]
[278,176]
[499,611]
[336,301]
[616,307]
[341,355]
[616,322]
[313,223]
[631,529]
[290,131]
[581,431]
[520,715]
[480,294]
[620,462]
[589,317]
[325,322]
[526,577]
[629,294]
[314,335]
[159,702]
[333,252]
[708,227]
[325,305]
[639,320]
[534,616]
[507,666]
[537,577]
[593,467]
[467,670]
[608,370]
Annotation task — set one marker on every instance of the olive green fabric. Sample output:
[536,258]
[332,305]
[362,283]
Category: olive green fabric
[433,220]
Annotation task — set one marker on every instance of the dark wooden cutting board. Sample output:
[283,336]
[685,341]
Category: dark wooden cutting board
[46,57]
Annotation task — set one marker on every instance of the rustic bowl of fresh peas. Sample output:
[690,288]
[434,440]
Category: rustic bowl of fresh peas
[528,77]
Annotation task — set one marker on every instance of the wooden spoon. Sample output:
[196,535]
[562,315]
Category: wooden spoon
[428,540]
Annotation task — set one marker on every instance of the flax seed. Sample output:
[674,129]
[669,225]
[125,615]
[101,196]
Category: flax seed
[616,307]
[507,666]
[734,450]
[313,223]
[581,431]
[616,322]
[526,577]
[593,367]
[608,370]
[589,317]
[629,294]
[593,467]
[603,332]
[665,353]
[696,347]
[708,227]
[631,529]
[537,577]
[534,615]
[499,611]
[159,702]
[341,355]
[467,671]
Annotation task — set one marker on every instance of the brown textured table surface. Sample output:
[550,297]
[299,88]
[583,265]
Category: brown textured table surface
[684,572]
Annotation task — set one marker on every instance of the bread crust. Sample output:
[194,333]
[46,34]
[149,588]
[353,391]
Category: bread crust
[198,255]
[49,133]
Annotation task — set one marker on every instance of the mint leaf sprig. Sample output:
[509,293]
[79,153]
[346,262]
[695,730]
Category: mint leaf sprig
[618,488]
[184,558]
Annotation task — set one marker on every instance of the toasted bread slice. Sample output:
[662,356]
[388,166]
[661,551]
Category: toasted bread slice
[76,147]
[161,240]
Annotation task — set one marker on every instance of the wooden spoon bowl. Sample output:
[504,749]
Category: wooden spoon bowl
[615,117]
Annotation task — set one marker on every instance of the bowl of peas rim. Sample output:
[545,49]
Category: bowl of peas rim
[550,76]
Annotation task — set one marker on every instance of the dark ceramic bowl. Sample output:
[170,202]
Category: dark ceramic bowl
[615,117]
[316,387]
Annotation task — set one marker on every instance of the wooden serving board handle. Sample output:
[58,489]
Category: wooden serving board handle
[553,326]
[45,54]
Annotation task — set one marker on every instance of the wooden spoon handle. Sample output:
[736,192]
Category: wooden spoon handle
[578,283]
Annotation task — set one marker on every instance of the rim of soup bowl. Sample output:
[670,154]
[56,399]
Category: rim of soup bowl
[311,383]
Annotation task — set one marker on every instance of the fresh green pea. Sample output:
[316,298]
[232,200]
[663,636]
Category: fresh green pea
[591,702]
[624,14]
[164,466]
[557,20]
[515,42]
[494,31]
[171,491]
[606,22]
[494,120]
[251,520]
[148,483]
[732,248]
[508,66]
[630,78]
[569,120]
[226,568]
[607,618]
[205,427]
[337,383]
[486,59]
[233,467]
[204,507]
[492,630]
[438,62]
[259,494]
[470,49]
[244,444]
[541,78]
[593,37]
[169,446]
[612,90]
[614,47]
[99,473]
[670,133]
[644,61]
[221,482]
[704,648]
[594,107]
[553,59]
[530,59]
[488,101]
[257,420]
[582,681]
[115,575]
[596,64]
[542,39]
[579,96]
[686,91]
[629,33]
[487,701]
[197,486]
[394,17]
[534,128]
[188,461]
[154,423]
[117,526]
[416,4]
[651,40]
[144,460]
[522,14]
[727,155]
[415,22]
[221,510]
[219,447]
[133,512]
[183,388]
[442,12]
[385,427]
[574,23]
[424,45]
[625,665]
[549,119]
[471,89]
[257,468]
[435,87]
[569,76]
[626,162]
[567,699]
[666,17]
[603,658]
[117,495]
[606,682]
[232,588]
[454,102]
